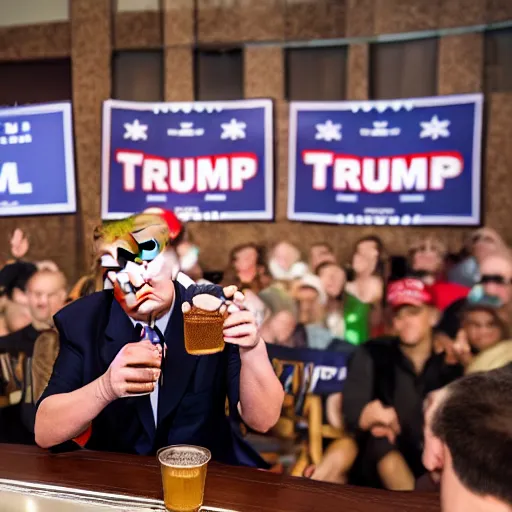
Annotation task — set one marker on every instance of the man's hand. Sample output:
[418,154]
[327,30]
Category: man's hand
[462,349]
[380,420]
[133,372]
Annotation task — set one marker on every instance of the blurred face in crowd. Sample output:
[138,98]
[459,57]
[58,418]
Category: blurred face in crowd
[308,300]
[285,255]
[279,328]
[413,324]
[333,280]
[482,328]
[496,277]
[365,258]
[319,254]
[245,260]
[427,256]
[485,242]
[46,294]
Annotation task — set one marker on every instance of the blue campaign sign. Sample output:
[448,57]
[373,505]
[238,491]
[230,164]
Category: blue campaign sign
[396,162]
[37,167]
[209,161]
[324,372]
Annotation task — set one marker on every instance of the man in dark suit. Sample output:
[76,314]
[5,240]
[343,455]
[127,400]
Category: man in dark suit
[111,391]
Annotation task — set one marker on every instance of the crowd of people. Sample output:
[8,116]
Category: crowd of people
[412,324]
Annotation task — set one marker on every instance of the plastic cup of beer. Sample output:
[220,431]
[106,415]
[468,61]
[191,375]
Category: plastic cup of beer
[183,476]
[203,327]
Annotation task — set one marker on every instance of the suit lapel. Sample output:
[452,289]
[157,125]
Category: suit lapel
[119,332]
[179,365]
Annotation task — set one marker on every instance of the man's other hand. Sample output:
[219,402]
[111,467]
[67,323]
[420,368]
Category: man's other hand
[134,371]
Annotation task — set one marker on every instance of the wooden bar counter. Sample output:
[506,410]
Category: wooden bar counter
[239,489]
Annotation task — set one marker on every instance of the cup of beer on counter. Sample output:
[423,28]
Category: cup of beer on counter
[183,476]
[204,325]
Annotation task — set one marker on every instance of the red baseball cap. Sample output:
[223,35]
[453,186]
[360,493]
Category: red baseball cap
[409,292]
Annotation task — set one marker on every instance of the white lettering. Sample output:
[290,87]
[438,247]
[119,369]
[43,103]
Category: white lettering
[347,172]
[212,174]
[129,160]
[9,181]
[442,167]
[320,160]
[242,169]
[412,177]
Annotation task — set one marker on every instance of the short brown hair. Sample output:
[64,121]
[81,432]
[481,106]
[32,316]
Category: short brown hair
[475,423]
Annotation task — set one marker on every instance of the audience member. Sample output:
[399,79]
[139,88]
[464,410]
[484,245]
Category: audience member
[46,295]
[468,442]
[13,282]
[248,268]
[319,253]
[285,262]
[496,281]
[387,382]
[481,244]
[333,279]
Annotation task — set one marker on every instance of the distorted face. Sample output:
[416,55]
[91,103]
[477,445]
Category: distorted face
[333,280]
[285,255]
[141,262]
[245,260]
[496,278]
[413,324]
[427,257]
[485,242]
[46,294]
[366,257]
[308,300]
[482,329]
[319,254]
[281,327]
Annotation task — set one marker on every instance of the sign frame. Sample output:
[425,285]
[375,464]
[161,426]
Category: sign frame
[164,107]
[475,219]
[70,205]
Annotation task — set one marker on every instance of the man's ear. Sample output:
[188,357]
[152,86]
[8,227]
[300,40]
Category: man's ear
[433,452]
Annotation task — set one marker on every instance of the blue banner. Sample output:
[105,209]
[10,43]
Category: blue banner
[210,161]
[324,371]
[396,162]
[37,167]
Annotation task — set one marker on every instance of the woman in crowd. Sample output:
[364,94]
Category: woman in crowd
[285,262]
[247,268]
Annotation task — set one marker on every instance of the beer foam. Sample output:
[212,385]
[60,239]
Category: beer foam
[184,456]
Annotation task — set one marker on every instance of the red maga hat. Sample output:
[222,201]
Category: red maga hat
[409,292]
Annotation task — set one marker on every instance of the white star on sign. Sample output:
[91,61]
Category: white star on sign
[435,128]
[233,130]
[328,131]
[136,131]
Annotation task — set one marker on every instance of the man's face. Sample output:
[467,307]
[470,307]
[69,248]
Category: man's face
[496,278]
[484,243]
[46,295]
[413,324]
[308,300]
[246,259]
[482,329]
[141,263]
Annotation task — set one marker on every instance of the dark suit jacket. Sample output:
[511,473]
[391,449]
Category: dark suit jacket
[191,406]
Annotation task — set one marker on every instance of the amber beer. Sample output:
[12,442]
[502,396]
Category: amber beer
[203,331]
[183,476]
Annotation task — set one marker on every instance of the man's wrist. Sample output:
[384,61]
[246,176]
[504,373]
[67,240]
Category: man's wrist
[255,349]
[104,391]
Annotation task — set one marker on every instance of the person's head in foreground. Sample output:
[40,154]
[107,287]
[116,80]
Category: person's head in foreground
[468,442]
[413,314]
[139,254]
[319,253]
[496,275]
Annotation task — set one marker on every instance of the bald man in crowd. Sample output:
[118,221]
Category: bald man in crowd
[46,294]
